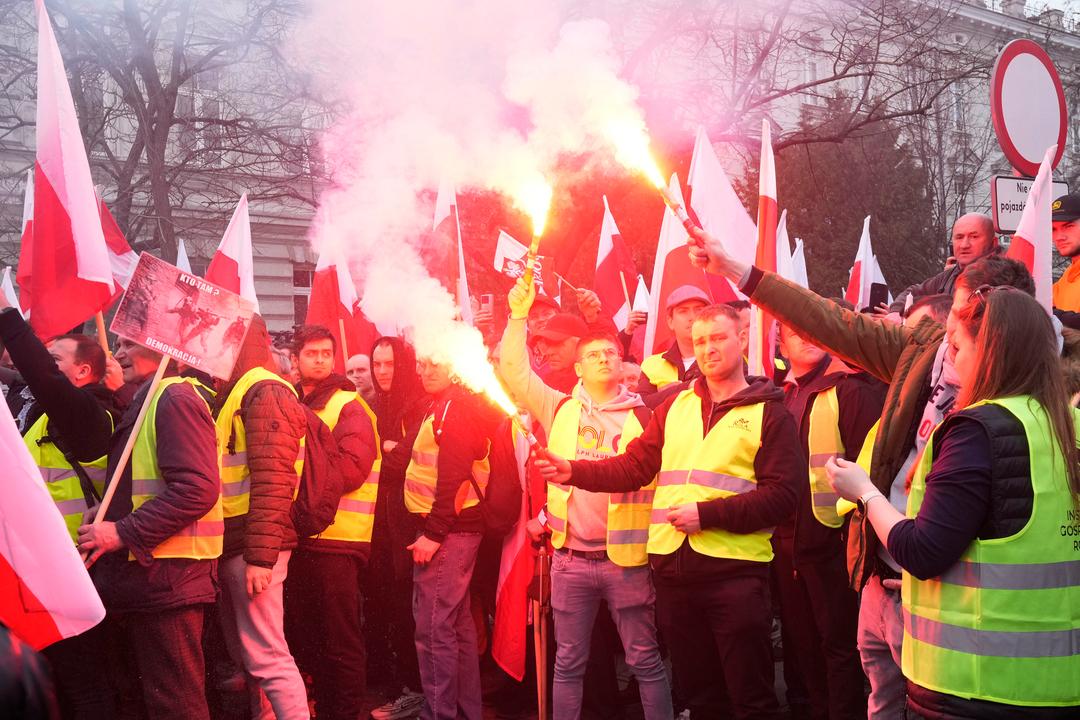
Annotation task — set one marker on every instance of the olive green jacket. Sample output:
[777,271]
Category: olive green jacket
[901,357]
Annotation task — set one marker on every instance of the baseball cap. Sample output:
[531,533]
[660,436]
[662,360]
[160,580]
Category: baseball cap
[686,293]
[561,327]
[1066,208]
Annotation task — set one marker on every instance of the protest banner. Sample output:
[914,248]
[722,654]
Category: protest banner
[183,316]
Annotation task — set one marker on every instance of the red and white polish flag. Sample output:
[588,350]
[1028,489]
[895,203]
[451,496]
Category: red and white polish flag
[615,271]
[518,560]
[8,289]
[671,269]
[182,260]
[232,266]
[762,332]
[511,258]
[26,245]
[865,271]
[1032,244]
[122,259]
[45,592]
[69,277]
[447,228]
[333,298]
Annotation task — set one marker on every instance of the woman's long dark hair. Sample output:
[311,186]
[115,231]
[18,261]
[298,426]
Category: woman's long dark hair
[1016,353]
[391,405]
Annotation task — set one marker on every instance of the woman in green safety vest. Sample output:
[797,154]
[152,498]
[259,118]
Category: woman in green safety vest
[991,543]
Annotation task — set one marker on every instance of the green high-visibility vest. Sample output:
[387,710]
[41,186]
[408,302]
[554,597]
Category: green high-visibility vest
[1003,623]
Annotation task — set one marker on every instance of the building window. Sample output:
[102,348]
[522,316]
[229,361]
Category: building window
[302,273]
[957,106]
[300,303]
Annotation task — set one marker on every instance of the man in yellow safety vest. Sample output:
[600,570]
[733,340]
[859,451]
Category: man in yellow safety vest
[153,558]
[444,483]
[322,592]
[728,464]
[260,431]
[599,538]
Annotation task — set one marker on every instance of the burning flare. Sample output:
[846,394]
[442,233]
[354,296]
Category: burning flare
[534,198]
[631,143]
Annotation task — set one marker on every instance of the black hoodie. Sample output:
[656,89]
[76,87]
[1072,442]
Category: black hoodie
[399,411]
[779,468]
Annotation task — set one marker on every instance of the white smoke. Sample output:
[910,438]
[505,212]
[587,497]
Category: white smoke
[483,94]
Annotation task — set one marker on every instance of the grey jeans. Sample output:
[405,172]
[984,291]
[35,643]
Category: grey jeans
[577,587]
[254,632]
[445,633]
[881,636]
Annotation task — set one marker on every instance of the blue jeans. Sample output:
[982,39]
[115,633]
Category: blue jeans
[577,587]
[445,633]
[881,635]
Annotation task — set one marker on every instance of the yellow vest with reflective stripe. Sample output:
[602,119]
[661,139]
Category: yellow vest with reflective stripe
[696,467]
[1003,623]
[628,512]
[202,539]
[422,475]
[659,370]
[356,510]
[232,444]
[824,442]
[60,478]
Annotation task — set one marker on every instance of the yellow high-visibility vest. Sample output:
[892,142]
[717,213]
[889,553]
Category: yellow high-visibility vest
[422,475]
[628,512]
[202,539]
[60,478]
[824,442]
[699,467]
[659,370]
[1003,623]
[232,444]
[355,515]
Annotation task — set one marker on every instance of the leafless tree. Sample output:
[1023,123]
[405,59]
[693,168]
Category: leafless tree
[183,105]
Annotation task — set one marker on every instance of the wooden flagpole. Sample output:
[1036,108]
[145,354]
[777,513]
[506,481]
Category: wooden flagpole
[125,455]
[103,338]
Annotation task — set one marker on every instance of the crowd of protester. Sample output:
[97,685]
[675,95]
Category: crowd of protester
[893,513]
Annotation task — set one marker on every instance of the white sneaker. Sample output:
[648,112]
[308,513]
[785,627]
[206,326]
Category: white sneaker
[407,706]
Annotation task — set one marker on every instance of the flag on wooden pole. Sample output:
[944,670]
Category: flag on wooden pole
[232,266]
[68,274]
[762,336]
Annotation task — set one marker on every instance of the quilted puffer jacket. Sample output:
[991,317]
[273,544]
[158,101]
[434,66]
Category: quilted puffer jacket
[274,423]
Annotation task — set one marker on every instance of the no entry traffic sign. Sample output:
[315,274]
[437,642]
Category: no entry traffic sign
[1027,105]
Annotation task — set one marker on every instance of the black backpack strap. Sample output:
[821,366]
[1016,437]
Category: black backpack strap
[643,415]
[90,493]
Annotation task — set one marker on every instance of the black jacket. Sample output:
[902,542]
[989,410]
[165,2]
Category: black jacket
[464,425]
[356,452]
[860,398]
[82,417]
[187,456]
[779,468]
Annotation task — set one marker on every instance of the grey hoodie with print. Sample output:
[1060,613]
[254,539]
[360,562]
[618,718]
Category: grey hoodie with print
[599,430]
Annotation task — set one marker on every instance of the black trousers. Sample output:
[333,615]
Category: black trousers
[322,625]
[819,613]
[155,664]
[718,635]
[389,627]
[82,690]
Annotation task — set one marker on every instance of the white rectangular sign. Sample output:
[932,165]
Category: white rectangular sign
[1008,195]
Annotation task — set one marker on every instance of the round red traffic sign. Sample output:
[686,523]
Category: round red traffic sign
[1027,105]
